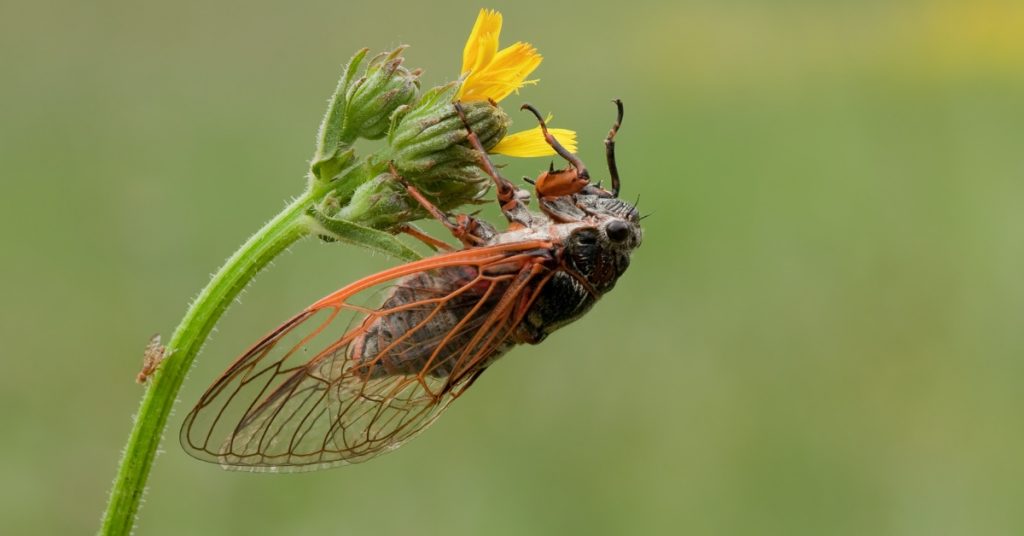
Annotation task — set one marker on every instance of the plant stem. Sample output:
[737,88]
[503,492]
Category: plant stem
[279,233]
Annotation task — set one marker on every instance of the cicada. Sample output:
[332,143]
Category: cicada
[365,369]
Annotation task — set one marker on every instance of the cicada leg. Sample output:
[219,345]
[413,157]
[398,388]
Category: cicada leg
[465,228]
[510,197]
[422,236]
[609,149]
[581,169]
[555,187]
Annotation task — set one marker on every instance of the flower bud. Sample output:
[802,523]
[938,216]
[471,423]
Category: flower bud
[372,98]
[380,203]
[428,145]
[361,108]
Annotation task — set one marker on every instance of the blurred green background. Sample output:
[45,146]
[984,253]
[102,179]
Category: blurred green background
[822,333]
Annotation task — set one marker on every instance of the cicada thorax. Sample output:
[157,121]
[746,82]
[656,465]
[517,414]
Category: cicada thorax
[560,301]
[588,268]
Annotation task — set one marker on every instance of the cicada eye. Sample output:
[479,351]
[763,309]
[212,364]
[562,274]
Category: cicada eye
[617,230]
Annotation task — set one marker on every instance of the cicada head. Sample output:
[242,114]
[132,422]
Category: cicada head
[599,250]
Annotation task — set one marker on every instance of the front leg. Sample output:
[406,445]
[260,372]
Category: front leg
[422,236]
[466,229]
[511,198]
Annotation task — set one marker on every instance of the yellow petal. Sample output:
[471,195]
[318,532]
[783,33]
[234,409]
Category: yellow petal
[482,44]
[489,74]
[531,143]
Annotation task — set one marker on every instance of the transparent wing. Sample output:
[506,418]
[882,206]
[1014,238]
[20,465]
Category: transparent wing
[347,379]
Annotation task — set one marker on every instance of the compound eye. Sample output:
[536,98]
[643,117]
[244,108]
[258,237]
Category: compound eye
[617,230]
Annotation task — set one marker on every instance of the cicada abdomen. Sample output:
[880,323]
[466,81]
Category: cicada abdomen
[426,324]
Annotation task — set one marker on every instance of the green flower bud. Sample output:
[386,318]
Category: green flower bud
[361,108]
[380,203]
[372,98]
[428,145]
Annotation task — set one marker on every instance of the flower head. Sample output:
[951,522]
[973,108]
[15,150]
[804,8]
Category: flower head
[490,74]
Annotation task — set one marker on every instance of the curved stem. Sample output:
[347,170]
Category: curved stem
[279,233]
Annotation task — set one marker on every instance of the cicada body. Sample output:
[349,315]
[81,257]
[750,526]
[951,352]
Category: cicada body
[368,367]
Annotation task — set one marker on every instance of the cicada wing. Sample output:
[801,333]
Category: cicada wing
[343,381]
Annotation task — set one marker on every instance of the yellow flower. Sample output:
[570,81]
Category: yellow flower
[490,74]
[530,143]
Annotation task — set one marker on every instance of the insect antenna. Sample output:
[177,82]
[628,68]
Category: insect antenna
[609,149]
[571,158]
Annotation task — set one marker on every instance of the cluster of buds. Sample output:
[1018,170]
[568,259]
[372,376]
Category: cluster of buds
[427,145]
[425,140]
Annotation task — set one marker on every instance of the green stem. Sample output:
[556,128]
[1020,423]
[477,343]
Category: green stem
[279,233]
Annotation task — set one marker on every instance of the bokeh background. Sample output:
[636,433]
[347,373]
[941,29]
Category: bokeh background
[822,333]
